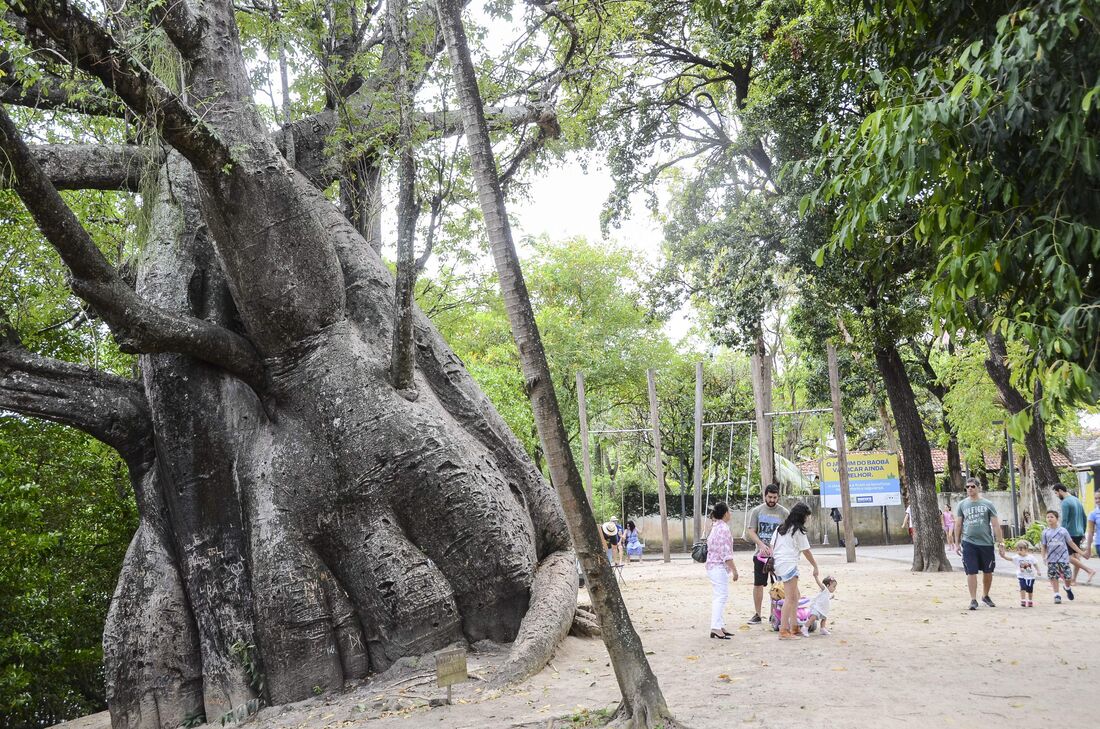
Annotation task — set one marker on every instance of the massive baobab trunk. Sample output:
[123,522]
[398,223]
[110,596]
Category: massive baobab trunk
[302,523]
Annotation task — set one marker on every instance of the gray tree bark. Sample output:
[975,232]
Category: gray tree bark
[302,524]
[928,544]
[643,704]
[1043,473]
[402,367]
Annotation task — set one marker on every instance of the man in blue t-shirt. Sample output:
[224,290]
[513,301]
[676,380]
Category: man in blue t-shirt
[1073,521]
[1092,534]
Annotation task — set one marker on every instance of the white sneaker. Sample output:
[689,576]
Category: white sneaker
[824,631]
[805,631]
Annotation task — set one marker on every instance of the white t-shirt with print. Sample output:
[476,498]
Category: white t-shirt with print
[1027,567]
[786,548]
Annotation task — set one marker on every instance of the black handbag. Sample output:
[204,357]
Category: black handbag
[699,551]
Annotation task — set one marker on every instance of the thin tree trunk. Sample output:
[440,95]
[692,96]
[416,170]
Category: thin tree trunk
[643,704]
[361,198]
[928,545]
[288,151]
[762,393]
[955,479]
[1043,472]
[402,359]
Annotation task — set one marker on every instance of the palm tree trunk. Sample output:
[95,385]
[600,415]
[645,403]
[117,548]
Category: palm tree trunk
[643,704]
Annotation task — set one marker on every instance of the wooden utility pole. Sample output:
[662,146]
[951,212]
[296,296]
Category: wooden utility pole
[658,462]
[586,462]
[697,486]
[762,394]
[841,457]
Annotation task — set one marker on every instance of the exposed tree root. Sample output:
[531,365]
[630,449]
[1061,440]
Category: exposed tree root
[585,623]
[644,712]
[933,562]
[547,621]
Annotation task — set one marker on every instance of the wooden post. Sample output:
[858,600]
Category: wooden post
[586,462]
[762,394]
[697,484]
[658,464]
[841,457]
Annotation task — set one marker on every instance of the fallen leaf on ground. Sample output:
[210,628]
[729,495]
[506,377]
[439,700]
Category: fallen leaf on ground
[839,668]
[692,658]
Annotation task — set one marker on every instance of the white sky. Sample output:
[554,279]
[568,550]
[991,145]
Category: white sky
[563,201]
[566,201]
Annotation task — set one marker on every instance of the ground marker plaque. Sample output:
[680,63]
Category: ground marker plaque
[450,668]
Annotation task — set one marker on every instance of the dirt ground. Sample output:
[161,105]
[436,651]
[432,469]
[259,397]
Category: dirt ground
[904,651]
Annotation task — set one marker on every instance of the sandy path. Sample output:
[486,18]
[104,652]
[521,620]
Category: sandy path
[905,651]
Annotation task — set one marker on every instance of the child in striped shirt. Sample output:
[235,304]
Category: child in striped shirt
[1057,544]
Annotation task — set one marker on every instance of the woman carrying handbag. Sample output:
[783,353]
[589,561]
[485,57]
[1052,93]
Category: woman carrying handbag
[720,567]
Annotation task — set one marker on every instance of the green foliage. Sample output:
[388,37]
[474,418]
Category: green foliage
[66,510]
[586,301]
[245,653]
[1034,532]
[983,121]
[66,517]
[194,721]
[239,713]
[589,718]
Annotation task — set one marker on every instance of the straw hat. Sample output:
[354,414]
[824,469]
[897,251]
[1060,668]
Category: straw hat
[609,529]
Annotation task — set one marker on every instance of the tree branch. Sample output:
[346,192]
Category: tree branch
[108,408]
[137,325]
[547,130]
[316,163]
[49,95]
[52,92]
[92,48]
[90,166]
[181,23]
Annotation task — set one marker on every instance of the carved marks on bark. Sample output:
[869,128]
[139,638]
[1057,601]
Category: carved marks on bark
[150,645]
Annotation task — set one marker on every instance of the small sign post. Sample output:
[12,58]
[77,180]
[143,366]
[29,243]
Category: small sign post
[450,668]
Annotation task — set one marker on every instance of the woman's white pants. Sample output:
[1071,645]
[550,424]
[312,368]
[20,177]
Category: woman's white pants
[720,582]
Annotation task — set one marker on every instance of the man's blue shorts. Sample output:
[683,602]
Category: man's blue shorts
[978,558]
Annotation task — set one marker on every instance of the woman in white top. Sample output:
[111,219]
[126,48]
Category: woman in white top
[788,542]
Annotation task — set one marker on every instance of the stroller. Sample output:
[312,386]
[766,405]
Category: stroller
[802,615]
